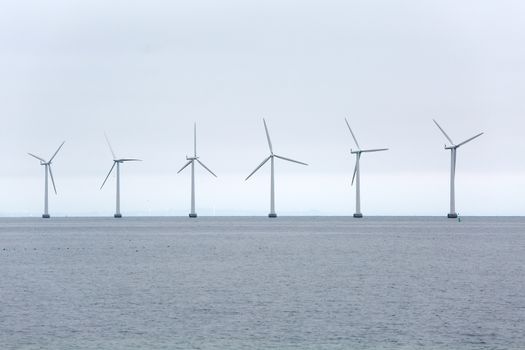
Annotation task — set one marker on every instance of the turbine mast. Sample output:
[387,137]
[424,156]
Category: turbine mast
[46,194]
[452,214]
[193,214]
[272,213]
[117,209]
[357,213]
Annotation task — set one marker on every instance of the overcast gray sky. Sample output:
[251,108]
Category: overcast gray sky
[144,71]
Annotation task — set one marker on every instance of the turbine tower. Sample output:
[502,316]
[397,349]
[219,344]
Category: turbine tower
[357,175]
[116,162]
[191,160]
[47,167]
[271,157]
[453,150]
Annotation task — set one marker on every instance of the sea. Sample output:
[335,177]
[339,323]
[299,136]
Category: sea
[260,283]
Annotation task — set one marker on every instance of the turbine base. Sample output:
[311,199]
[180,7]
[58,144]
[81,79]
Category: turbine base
[117,215]
[193,215]
[358,215]
[272,215]
[45,216]
[452,216]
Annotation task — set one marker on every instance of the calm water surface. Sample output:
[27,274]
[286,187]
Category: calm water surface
[255,283]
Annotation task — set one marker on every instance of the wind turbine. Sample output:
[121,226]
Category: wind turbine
[117,162]
[47,165]
[191,160]
[453,150]
[271,158]
[357,175]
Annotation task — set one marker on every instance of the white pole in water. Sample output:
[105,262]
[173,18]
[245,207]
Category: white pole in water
[452,214]
[193,214]
[272,213]
[117,210]
[357,213]
[46,194]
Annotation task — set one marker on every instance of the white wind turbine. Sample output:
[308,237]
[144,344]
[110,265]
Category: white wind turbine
[191,160]
[357,175]
[117,162]
[47,165]
[271,157]
[453,150]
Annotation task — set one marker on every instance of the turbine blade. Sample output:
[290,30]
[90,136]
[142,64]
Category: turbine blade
[110,170]
[260,165]
[37,157]
[355,168]
[374,150]
[353,176]
[185,165]
[195,139]
[268,136]
[52,179]
[443,131]
[205,167]
[290,160]
[468,140]
[351,132]
[58,149]
[110,148]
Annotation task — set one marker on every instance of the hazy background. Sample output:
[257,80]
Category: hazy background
[144,71]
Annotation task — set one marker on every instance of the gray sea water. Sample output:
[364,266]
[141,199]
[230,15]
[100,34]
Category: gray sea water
[256,283]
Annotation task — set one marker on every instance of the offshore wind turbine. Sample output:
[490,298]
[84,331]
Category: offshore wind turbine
[271,157]
[191,160]
[48,171]
[453,150]
[357,175]
[117,162]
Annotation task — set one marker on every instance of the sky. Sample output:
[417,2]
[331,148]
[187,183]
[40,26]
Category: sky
[144,71]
